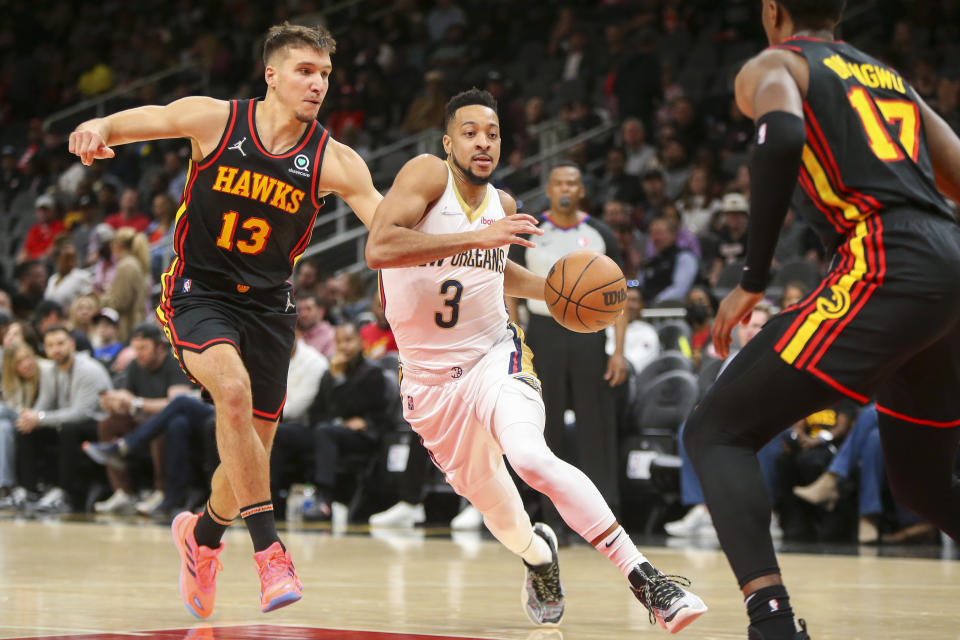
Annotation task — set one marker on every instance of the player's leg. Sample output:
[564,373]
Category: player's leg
[518,426]
[498,500]
[756,397]
[920,430]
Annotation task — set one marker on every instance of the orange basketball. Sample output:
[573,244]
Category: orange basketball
[585,291]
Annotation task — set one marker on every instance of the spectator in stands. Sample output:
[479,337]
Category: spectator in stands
[676,165]
[697,521]
[701,307]
[806,454]
[11,179]
[861,450]
[68,406]
[102,258]
[671,271]
[21,373]
[655,197]
[160,234]
[619,217]
[426,110]
[641,346]
[443,15]
[696,204]
[685,239]
[31,277]
[51,314]
[129,214]
[347,416]
[82,313]
[69,281]
[129,289]
[315,330]
[306,279]
[640,155]
[149,383]
[615,184]
[38,243]
[107,326]
[82,229]
[307,366]
[793,292]
[377,336]
[730,244]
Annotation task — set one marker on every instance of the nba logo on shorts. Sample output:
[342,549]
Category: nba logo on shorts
[186,285]
[774,605]
[410,403]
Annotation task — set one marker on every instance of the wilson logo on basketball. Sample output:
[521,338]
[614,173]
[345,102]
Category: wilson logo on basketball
[611,298]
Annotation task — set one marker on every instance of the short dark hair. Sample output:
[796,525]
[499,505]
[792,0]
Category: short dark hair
[563,164]
[57,328]
[148,330]
[819,14]
[286,35]
[465,99]
[46,307]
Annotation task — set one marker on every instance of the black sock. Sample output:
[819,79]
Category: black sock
[260,523]
[210,528]
[770,613]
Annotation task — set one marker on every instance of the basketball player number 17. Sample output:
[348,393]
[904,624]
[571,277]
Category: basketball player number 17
[882,145]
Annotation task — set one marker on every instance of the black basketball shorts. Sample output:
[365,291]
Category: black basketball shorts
[259,324]
[885,322]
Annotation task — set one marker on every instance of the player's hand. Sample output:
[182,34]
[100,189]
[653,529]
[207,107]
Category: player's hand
[736,307]
[616,370]
[89,146]
[507,230]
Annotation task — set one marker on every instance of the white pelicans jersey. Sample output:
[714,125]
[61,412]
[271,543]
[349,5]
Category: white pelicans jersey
[447,314]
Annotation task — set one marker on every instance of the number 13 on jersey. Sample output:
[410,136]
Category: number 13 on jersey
[259,234]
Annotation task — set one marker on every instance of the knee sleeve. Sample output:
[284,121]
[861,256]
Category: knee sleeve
[499,501]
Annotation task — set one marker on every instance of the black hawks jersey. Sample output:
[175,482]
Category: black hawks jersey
[246,214]
[866,149]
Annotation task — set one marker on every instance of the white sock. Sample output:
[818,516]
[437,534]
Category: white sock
[620,549]
[537,552]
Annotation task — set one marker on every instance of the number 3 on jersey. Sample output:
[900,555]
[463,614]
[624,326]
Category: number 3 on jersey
[892,111]
[259,233]
[453,302]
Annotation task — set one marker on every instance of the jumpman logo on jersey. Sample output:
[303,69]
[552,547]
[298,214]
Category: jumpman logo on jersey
[290,303]
[238,146]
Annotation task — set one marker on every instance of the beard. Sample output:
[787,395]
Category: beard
[468,172]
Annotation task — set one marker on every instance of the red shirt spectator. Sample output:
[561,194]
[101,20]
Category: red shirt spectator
[39,241]
[377,341]
[128,216]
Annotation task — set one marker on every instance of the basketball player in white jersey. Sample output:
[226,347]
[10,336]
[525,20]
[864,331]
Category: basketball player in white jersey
[468,385]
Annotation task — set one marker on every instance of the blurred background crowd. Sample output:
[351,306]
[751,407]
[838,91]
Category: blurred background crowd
[636,93]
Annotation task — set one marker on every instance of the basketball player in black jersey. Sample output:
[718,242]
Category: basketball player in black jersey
[258,174]
[868,156]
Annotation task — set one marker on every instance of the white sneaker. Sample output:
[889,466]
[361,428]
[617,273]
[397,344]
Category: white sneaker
[153,500]
[467,519]
[119,502]
[696,521]
[402,515]
[53,501]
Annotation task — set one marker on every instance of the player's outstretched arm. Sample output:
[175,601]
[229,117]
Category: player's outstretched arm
[393,241]
[944,151]
[768,91]
[199,118]
[346,174]
[520,282]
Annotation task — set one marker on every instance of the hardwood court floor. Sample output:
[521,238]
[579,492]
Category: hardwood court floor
[119,580]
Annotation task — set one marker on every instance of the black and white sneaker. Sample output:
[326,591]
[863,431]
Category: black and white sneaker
[665,597]
[754,634]
[542,595]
